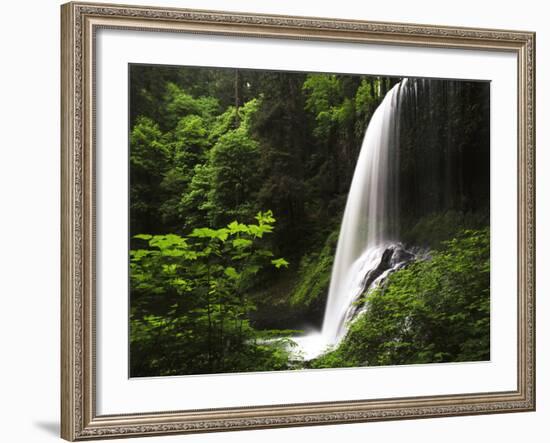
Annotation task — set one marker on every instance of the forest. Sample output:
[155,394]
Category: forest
[238,184]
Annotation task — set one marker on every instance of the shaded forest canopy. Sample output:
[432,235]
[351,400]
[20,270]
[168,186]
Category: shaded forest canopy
[213,146]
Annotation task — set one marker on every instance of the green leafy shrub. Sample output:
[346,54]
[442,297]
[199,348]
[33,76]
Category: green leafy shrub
[190,309]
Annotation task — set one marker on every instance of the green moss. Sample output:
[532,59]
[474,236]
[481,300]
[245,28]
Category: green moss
[314,275]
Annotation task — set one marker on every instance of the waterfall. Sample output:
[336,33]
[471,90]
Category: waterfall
[369,222]
[368,229]
[416,160]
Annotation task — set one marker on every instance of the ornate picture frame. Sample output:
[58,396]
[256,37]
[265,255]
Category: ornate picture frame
[80,23]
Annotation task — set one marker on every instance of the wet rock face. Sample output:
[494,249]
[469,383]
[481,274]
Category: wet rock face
[394,257]
[383,265]
[400,255]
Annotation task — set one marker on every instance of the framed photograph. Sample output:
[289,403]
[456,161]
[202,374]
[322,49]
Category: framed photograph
[283,221]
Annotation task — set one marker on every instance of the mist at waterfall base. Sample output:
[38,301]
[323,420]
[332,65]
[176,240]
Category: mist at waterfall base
[368,249]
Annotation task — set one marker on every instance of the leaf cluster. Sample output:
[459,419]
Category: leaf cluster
[190,310]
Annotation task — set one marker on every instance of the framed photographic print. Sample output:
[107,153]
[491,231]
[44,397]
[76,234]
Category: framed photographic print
[282,221]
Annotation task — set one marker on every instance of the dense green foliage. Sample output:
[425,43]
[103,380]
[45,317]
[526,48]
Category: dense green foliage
[193,290]
[435,310]
[216,153]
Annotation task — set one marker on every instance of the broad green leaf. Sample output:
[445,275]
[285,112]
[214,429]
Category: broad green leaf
[280,262]
[235,227]
[203,233]
[231,273]
[241,243]
[143,236]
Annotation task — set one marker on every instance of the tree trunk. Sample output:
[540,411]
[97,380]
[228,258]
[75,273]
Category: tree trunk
[237,96]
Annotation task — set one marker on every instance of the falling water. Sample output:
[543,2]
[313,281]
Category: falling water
[368,227]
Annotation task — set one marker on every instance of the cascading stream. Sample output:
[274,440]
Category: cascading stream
[368,226]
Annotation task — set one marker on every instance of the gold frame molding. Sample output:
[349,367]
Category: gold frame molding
[79,22]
